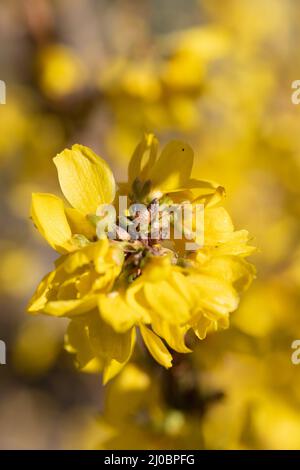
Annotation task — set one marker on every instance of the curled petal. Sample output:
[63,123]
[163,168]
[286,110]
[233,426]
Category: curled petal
[77,342]
[172,334]
[202,326]
[40,297]
[214,295]
[48,214]
[113,367]
[156,347]
[106,342]
[232,269]
[70,308]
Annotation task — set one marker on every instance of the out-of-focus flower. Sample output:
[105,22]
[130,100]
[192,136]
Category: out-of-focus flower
[189,53]
[61,71]
[110,286]
[37,345]
[14,126]
[136,415]
[15,276]
[164,88]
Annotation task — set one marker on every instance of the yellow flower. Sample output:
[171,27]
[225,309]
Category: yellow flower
[109,287]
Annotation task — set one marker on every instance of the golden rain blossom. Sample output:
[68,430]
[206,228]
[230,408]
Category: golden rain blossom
[111,287]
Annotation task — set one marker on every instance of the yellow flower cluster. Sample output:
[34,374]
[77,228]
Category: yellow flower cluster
[111,287]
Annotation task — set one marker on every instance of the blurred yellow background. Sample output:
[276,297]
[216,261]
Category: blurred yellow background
[218,74]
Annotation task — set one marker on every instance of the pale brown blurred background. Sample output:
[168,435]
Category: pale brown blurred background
[217,74]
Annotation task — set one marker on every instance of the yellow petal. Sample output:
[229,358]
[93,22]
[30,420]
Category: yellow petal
[215,295]
[223,322]
[202,186]
[48,214]
[92,252]
[135,298]
[85,179]
[167,302]
[156,347]
[202,327]
[69,308]
[95,366]
[77,342]
[172,334]
[232,269]
[40,297]
[217,225]
[75,260]
[235,243]
[157,269]
[106,342]
[115,311]
[79,223]
[209,199]
[173,168]
[183,286]
[66,290]
[113,367]
[143,158]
